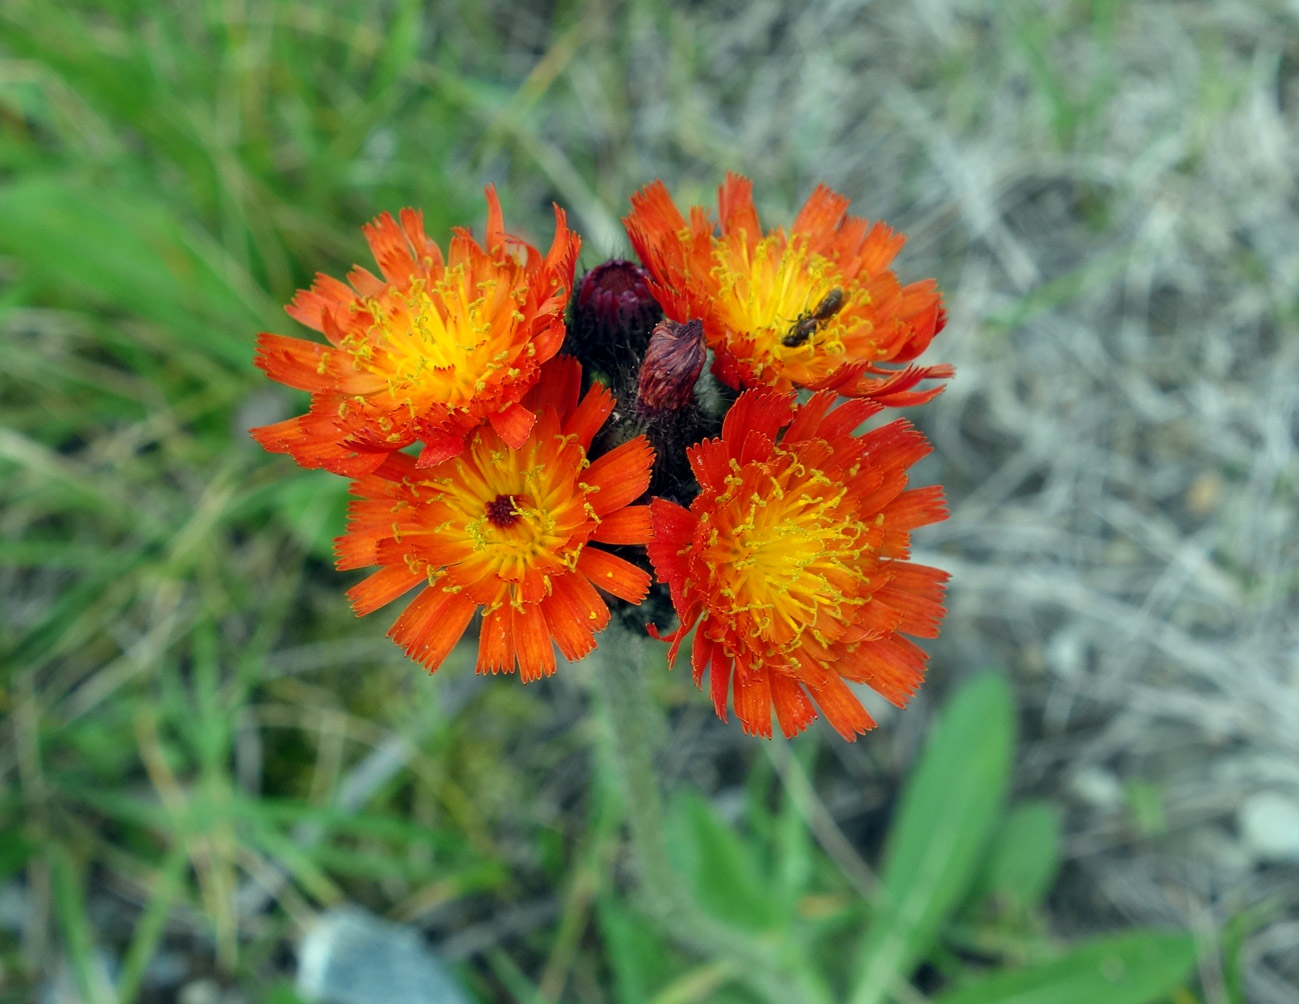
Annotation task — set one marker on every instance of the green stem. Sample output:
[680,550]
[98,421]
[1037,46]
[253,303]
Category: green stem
[633,723]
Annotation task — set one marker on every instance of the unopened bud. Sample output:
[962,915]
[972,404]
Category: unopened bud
[672,365]
[613,313]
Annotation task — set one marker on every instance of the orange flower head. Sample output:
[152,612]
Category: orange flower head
[506,530]
[791,565]
[425,354]
[817,307]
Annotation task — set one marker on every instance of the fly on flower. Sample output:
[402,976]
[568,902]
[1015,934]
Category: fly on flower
[506,530]
[791,565]
[818,307]
[426,353]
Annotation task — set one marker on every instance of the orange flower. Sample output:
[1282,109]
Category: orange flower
[505,530]
[817,308]
[426,353]
[791,563]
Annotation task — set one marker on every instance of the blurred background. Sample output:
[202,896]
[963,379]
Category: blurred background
[206,759]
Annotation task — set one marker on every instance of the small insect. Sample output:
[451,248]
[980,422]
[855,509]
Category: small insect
[807,323]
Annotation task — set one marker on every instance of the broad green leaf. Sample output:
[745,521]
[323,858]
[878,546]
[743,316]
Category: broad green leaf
[1137,967]
[315,503]
[945,816]
[719,866]
[16,847]
[1025,855]
[636,954]
[282,993]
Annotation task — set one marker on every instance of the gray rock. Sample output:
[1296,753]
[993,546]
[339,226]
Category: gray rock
[208,991]
[1096,788]
[351,957]
[1269,826]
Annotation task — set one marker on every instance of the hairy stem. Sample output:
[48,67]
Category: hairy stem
[633,723]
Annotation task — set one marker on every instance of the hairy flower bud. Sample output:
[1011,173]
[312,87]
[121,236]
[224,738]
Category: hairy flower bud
[672,365]
[613,313]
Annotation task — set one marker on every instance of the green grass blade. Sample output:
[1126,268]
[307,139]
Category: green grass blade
[148,932]
[122,249]
[1137,967]
[947,811]
[78,938]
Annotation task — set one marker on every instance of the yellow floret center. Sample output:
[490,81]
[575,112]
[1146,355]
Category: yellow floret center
[519,516]
[786,553]
[764,291]
[444,342]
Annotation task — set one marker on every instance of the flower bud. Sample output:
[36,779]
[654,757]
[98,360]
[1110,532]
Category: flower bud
[613,312]
[672,365]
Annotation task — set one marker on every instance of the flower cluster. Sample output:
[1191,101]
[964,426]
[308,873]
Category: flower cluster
[525,451]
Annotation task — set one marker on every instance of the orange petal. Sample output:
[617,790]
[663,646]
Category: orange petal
[585,422]
[495,220]
[440,446]
[313,441]
[917,507]
[558,386]
[674,527]
[382,588]
[311,366]
[495,644]
[719,678]
[532,643]
[513,425]
[569,625]
[735,208]
[629,525]
[807,421]
[841,708]
[354,550]
[916,593]
[653,211]
[759,410]
[879,249]
[427,254]
[581,597]
[388,244]
[327,294]
[710,462]
[894,390]
[621,475]
[893,667]
[752,700]
[701,654]
[429,628]
[755,449]
[562,256]
[845,419]
[614,575]
[794,711]
[821,213]
[364,281]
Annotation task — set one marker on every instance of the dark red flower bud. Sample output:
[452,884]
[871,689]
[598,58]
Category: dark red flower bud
[672,365]
[613,313]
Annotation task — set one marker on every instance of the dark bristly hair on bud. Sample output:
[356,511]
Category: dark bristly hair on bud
[671,367]
[651,366]
[612,316]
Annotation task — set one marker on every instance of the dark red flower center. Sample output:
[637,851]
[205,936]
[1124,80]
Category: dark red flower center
[501,511]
